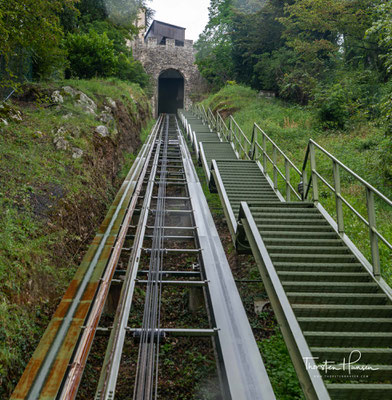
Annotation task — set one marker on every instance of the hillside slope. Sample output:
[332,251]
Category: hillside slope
[64,150]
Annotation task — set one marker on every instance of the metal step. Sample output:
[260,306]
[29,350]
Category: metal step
[297,297]
[297,249]
[355,391]
[346,324]
[324,276]
[334,287]
[368,355]
[348,339]
[342,310]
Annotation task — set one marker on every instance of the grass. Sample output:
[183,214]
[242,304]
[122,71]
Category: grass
[290,127]
[51,205]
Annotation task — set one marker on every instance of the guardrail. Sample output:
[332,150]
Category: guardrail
[241,143]
[371,192]
[293,183]
[260,152]
[256,149]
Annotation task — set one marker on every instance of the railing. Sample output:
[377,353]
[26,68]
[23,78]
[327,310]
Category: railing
[252,149]
[260,152]
[371,192]
[293,184]
[241,143]
[233,133]
[221,128]
[204,113]
[211,119]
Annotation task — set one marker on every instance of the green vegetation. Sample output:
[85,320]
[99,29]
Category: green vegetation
[361,146]
[333,55]
[279,368]
[83,39]
[58,177]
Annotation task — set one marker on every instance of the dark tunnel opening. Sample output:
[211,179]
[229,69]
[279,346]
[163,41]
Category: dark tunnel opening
[170,92]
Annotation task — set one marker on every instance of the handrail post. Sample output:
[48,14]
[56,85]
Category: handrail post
[313,168]
[373,236]
[244,148]
[287,168]
[252,145]
[264,153]
[304,184]
[275,160]
[230,130]
[338,199]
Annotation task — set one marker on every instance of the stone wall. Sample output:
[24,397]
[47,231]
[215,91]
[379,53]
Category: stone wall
[159,58]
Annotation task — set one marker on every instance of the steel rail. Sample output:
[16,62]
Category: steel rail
[148,350]
[108,379]
[79,361]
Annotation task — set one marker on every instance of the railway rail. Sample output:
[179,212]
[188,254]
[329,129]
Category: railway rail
[159,213]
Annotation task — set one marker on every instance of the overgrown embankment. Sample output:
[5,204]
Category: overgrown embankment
[64,150]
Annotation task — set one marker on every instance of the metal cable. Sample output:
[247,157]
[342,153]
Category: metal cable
[148,357]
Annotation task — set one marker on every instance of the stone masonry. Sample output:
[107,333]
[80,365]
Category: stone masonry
[159,58]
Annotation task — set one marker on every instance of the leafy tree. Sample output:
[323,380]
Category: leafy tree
[33,26]
[90,54]
[133,71]
[92,10]
[255,36]
[117,34]
[214,45]
[381,29]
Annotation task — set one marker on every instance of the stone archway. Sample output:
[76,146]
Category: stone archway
[171,87]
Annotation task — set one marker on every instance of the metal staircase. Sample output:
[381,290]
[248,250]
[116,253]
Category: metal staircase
[332,305]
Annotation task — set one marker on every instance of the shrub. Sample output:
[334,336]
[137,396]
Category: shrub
[90,54]
[297,86]
[332,103]
[131,70]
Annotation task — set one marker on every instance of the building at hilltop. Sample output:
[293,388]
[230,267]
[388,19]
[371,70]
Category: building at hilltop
[169,59]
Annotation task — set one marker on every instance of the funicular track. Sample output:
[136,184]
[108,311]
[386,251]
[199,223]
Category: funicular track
[333,307]
[159,214]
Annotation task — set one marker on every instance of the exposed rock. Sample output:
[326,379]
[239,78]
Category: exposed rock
[266,93]
[260,304]
[57,97]
[61,143]
[111,102]
[67,116]
[106,115]
[38,134]
[86,103]
[16,115]
[61,131]
[83,100]
[76,152]
[70,90]
[102,130]
[89,110]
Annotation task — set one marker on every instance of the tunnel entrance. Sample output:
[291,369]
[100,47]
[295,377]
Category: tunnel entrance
[170,91]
